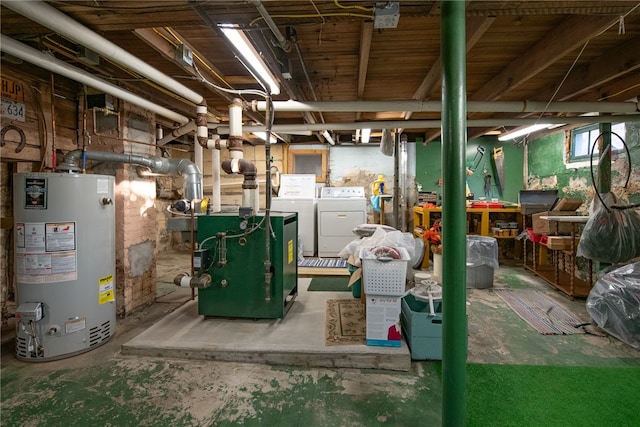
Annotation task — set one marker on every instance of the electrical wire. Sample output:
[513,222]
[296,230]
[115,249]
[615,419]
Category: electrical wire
[575,61]
[323,15]
[366,9]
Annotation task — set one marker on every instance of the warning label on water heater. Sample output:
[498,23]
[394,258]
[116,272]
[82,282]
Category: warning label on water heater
[45,252]
[106,293]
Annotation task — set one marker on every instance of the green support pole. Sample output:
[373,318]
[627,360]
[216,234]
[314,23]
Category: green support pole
[454,214]
[604,165]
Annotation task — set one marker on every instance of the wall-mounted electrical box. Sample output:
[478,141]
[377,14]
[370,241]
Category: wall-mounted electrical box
[184,55]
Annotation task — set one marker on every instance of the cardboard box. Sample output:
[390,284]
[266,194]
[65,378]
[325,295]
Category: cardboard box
[567,204]
[563,207]
[546,227]
[561,243]
[383,320]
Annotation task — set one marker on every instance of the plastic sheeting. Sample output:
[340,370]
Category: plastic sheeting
[610,235]
[380,237]
[482,250]
[614,303]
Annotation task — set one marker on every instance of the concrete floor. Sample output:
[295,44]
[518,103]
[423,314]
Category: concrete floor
[106,386]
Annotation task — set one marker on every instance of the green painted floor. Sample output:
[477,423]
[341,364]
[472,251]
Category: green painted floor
[104,388]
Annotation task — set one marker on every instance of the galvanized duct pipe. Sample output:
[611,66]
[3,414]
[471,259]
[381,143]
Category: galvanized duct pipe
[48,62]
[52,18]
[156,166]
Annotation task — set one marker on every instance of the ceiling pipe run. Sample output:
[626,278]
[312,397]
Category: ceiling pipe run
[48,62]
[436,106]
[154,166]
[282,41]
[431,124]
[52,18]
[177,133]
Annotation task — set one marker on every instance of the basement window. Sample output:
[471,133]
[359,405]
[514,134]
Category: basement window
[309,161]
[582,139]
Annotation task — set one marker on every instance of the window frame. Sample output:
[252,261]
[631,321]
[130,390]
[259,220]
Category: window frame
[581,158]
[291,164]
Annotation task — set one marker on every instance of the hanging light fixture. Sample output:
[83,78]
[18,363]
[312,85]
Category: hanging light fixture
[522,131]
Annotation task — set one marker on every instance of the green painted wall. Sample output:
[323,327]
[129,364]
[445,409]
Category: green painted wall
[429,168]
[547,169]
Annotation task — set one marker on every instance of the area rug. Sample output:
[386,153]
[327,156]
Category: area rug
[345,322]
[329,284]
[323,263]
[541,313]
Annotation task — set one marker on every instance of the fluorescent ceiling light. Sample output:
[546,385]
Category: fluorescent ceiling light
[522,131]
[263,136]
[328,137]
[249,54]
[365,135]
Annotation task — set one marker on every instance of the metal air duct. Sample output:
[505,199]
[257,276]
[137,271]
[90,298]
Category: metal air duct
[156,166]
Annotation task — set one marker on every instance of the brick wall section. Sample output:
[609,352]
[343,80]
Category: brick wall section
[136,220]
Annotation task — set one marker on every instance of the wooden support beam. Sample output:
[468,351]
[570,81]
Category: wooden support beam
[618,62]
[567,36]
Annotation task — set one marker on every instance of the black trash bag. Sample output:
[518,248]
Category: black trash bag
[614,303]
[610,235]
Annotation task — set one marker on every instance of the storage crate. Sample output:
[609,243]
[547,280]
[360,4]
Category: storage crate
[384,276]
[480,277]
[422,330]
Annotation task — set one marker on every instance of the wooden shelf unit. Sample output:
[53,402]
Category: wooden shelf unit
[558,266]
[423,219]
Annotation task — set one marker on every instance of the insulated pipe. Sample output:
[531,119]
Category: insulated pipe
[234,143]
[177,132]
[216,204]
[198,154]
[48,62]
[52,18]
[156,165]
[436,106]
[432,124]
[202,132]
[454,214]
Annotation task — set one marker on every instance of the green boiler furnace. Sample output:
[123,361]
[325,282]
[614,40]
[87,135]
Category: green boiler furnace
[232,250]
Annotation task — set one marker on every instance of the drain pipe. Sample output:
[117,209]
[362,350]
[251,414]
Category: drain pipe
[155,166]
[249,185]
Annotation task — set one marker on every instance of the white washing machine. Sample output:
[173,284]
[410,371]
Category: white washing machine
[306,209]
[340,210]
[297,194]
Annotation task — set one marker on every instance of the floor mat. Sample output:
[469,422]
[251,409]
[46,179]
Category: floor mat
[345,322]
[323,262]
[330,284]
[541,313]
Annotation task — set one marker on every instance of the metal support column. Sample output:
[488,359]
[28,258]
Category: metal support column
[454,250]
